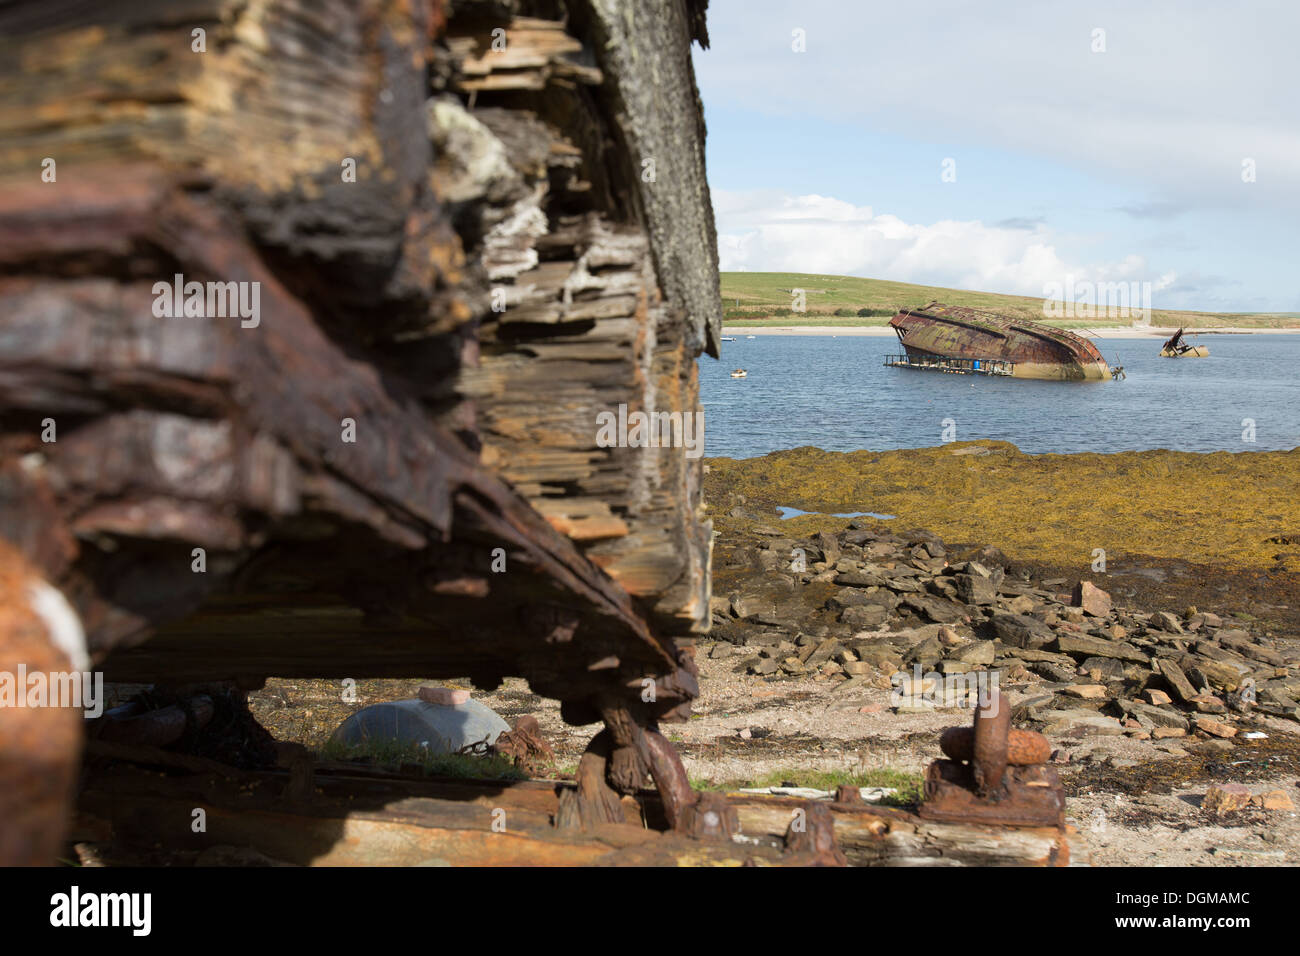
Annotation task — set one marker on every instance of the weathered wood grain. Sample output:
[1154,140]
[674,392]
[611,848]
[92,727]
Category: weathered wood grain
[477,171]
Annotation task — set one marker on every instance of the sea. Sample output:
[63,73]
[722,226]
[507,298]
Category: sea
[836,393]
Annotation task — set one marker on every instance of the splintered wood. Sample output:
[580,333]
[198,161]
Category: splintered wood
[309,313]
[448,249]
[353,818]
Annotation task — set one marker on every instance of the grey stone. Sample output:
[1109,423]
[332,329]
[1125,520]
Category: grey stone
[823,652]
[976,589]
[1176,679]
[1080,645]
[1156,716]
[440,728]
[878,654]
[926,653]
[1164,621]
[1081,722]
[861,579]
[976,652]
[936,609]
[1106,668]
[1021,630]
[865,616]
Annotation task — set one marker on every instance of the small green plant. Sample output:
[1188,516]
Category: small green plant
[907,784]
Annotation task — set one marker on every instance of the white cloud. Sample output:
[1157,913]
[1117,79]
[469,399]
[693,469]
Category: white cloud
[768,231]
[1182,94]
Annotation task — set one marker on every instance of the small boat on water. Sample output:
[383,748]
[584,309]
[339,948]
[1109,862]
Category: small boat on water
[749,336]
[739,373]
[1177,348]
[728,338]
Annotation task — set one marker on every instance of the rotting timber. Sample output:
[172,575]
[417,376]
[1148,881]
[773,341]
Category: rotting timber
[473,227]
[946,337]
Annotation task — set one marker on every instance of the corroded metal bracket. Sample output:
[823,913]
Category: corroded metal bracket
[995,775]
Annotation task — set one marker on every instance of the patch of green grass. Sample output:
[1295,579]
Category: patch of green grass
[747,296]
[907,784]
[390,755]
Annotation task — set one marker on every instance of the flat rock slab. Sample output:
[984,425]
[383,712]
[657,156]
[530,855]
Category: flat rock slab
[1083,646]
[1080,722]
[1154,716]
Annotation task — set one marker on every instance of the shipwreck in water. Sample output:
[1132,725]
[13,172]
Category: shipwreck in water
[960,340]
[1178,347]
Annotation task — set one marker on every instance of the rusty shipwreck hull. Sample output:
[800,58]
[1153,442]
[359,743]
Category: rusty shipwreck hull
[1035,350]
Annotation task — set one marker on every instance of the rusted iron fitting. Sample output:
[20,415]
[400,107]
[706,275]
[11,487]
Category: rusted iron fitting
[995,774]
[709,817]
[812,832]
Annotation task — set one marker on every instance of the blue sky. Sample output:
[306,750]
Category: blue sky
[1113,156]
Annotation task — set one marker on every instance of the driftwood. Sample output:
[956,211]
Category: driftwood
[352,819]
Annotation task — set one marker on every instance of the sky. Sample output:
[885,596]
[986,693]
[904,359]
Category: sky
[1014,147]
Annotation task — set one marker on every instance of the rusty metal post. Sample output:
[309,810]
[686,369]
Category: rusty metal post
[996,775]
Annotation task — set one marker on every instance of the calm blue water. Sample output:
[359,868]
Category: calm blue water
[836,394]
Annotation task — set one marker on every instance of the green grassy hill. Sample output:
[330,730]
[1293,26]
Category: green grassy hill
[764,298]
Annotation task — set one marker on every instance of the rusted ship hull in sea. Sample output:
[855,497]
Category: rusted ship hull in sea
[954,338]
[1176,347]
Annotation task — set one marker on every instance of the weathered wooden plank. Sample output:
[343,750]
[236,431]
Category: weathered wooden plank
[353,818]
[391,465]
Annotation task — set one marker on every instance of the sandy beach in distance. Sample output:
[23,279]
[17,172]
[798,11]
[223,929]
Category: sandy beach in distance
[885,331]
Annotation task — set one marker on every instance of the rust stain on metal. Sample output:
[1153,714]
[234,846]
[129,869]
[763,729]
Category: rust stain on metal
[40,745]
[525,745]
[993,778]
[813,833]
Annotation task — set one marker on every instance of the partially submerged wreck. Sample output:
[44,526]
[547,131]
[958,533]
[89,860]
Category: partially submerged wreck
[953,338]
[1175,347]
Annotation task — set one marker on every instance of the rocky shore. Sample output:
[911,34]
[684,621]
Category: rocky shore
[868,607]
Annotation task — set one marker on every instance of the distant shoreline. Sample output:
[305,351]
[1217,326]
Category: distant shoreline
[885,331]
